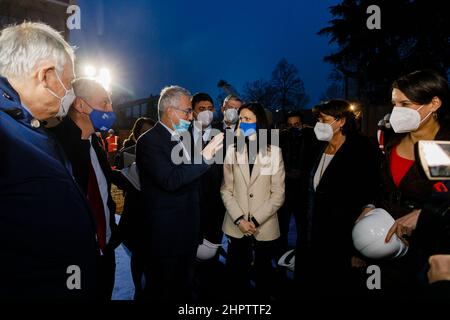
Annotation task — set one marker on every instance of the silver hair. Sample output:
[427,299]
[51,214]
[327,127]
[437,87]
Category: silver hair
[85,88]
[231,97]
[170,97]
[22,46]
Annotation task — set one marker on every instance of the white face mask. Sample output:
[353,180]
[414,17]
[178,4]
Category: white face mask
[205,117]
[405,119]
[324,131]
[231,115]
[66,100]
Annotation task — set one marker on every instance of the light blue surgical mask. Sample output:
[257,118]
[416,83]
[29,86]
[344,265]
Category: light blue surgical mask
[182,125]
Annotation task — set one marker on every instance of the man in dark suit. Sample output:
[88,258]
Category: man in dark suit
[47,237]
[208,267]
[169,184]
[211,207]
[91,169]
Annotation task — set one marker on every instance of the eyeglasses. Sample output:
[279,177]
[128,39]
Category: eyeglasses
[186,111]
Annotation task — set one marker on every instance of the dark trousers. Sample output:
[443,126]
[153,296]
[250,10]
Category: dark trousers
[245,255]
[106,273]
[169,279]
[210,281]
[137,267]
[291,206]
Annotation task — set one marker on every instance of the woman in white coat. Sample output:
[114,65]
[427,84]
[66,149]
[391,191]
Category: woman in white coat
[252,191]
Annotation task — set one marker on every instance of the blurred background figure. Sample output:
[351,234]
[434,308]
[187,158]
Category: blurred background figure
[298,144]
[230,107]
[131,220]
[112,143]
[140,126]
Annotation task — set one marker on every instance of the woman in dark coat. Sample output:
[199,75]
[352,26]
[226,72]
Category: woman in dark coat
[421,112]
[343,179]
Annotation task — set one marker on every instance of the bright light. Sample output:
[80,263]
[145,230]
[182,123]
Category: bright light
[435,155]
[104,77]
[90,71]
[352,107]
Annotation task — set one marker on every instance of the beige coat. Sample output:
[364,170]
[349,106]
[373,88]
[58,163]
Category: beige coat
[259,195]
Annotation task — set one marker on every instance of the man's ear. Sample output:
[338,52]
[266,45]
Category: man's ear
[169,112]
[42,71]
[79,105]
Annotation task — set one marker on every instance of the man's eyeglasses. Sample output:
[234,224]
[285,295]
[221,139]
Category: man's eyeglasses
[186,111]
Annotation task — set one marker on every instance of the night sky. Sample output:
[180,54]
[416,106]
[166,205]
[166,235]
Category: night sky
[151,44]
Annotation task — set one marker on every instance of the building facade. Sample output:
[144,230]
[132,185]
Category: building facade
[52,12]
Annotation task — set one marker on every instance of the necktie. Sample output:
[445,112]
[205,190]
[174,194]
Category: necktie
[203,141]
[95,200]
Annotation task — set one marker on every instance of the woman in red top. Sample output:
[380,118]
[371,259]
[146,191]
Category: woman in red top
[399,166]
[421,112]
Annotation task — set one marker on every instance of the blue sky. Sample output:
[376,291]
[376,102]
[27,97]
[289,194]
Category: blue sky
[151,44]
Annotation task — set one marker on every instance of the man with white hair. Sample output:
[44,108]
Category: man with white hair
[47,234]
[170,197]
[92,110]
[230,108]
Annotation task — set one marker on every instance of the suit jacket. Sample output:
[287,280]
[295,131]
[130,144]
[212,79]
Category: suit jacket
[45,221]
[258,195]
[170,196]
[78,153]
[212,210]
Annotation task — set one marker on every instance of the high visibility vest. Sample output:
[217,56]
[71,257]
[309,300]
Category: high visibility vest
[112,143]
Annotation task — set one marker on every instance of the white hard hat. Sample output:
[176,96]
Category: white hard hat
[370,232]
[288,260]
[207,250]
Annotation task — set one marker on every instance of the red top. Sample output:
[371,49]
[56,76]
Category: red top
[399,166]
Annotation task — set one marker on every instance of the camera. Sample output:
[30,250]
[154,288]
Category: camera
[435,159]
[434,230]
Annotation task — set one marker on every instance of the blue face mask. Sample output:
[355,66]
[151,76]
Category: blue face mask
[248,128]
[102,120]
[182,126]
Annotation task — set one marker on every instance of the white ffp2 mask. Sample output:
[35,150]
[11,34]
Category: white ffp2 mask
[66,100]
[205,117]
[405,119]
[231,115]
[324,131]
